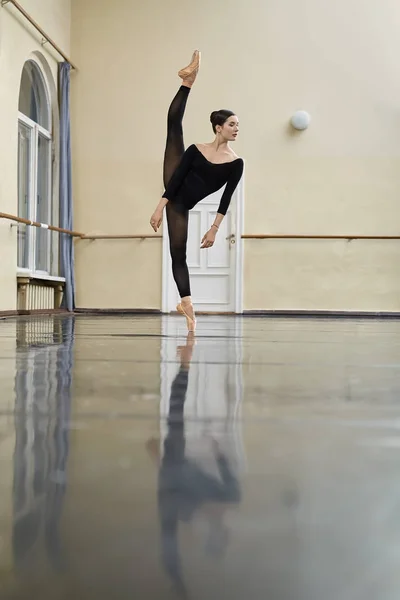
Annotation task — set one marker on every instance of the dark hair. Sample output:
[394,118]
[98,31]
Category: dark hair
[218,117]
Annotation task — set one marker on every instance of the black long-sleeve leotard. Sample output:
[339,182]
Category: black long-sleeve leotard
[196,177]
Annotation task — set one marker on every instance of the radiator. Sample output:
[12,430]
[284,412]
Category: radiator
[40,297]
[35,296]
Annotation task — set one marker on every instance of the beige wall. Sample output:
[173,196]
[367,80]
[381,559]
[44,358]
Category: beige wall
[18,41]
[341,176]
[265,60]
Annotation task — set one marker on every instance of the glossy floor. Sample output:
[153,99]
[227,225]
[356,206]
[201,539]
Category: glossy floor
[258,461]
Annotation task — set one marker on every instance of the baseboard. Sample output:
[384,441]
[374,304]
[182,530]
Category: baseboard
[252,313]
[324,314]
[118,311]
[4,314]
[45,311]
[212,314]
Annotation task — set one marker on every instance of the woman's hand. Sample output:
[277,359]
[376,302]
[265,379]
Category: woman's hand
[209,239]
[156,219]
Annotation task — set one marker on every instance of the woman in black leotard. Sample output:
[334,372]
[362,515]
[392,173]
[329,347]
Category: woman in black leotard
[191,176]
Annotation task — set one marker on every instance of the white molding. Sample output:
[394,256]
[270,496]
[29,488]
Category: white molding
[51,85]
[47,79]
[239,267]
[165,266]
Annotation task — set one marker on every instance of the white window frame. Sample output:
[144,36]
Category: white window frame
[33,183]
[52,190]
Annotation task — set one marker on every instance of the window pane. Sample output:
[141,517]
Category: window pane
[24,170]
[42,258]
[32,96]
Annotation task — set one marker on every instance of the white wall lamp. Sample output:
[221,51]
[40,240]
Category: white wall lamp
[300,120]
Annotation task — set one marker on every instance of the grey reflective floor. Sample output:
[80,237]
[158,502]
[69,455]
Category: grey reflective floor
[260,460]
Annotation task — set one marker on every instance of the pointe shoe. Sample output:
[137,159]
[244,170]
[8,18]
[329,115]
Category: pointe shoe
[189,73]
[191,323]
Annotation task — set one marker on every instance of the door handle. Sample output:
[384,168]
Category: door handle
[232,238]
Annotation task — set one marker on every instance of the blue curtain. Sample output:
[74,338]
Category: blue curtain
[66,209]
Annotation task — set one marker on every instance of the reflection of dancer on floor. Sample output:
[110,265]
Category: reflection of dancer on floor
[191,176]
[183,487]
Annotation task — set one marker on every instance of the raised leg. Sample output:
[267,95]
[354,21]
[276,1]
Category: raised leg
[175,146]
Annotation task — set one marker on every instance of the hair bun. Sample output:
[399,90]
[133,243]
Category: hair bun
[213,115]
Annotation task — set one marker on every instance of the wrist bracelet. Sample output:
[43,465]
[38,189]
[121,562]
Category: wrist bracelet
[213,225]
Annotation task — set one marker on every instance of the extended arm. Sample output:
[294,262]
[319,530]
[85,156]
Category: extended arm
[231,186]
[236,174]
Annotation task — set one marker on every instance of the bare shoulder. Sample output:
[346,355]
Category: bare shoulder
[208,150]
[205,149]
[231,155]
[235,157]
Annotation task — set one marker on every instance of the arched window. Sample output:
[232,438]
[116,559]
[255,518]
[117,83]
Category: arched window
[34,170]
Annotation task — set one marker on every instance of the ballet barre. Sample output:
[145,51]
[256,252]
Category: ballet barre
[46,37]
[40,225]
[76,234]
[245,236]
[284,236]
[120,237]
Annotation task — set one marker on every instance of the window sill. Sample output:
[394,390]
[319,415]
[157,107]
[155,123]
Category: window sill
[40,277]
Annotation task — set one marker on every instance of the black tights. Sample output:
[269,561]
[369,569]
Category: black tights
[177,214]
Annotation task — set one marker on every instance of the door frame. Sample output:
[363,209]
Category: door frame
[237,211]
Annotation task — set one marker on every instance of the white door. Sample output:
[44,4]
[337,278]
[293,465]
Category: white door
[215,273]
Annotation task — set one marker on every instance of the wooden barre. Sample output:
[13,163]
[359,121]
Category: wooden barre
[245,236]
[39,29]
[285,236]
[251,237]
[120,237]
[77,234]
[40,225]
